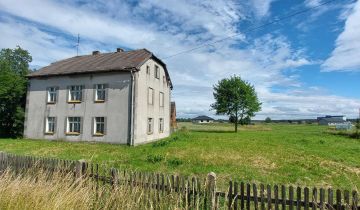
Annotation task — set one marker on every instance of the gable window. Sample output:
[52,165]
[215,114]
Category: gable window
[99,126]
[157,72]
[150,126]
[150,96]
[100,92]
[73,125]
[75,93]
[51,95]
[147,69]
[161,125]
[161,97]
[50,125]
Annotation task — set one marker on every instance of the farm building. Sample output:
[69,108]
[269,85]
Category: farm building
[331,120]
[121,97]
[202,119]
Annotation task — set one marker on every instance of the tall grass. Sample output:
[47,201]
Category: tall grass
[42,190]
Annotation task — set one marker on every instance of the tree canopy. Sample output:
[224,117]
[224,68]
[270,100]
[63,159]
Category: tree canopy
[236,98]
[14,66]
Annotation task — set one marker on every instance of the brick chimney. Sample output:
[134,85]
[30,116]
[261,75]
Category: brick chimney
[119,50]
[96,52]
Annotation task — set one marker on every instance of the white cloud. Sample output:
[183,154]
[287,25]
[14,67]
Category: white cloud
[261,7]
[173,28]
[345,56]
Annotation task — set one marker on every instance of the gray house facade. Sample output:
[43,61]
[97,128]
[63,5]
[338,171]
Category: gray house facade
[121,97]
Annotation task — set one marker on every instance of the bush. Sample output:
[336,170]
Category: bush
[154,158]
[268,120]
[174,162]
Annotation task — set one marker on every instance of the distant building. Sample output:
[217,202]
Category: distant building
[203,119]
[331,120]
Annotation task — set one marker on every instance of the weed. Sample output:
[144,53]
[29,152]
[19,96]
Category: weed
[154,158]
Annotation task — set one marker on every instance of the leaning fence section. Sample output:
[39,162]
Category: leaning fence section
[194,192]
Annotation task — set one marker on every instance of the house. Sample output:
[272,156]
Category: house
[202,119]
[121,97]
[331,120]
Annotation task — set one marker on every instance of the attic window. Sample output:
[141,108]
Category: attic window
[147,69]
[157,72]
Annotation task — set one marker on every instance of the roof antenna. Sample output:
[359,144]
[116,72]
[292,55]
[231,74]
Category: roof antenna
[77,45]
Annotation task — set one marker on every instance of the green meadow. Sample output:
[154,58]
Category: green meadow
[304,155]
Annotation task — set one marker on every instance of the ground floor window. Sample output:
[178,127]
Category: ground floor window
[150,126]
[99,126]
[161,125]
[50,125]
[74,125]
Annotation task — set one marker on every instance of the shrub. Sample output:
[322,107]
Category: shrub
[161,143]
[174,162]
[154,158]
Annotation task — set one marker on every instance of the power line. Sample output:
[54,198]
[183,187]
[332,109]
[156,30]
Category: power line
[252,29]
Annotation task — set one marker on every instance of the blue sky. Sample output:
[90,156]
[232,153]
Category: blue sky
[303,67]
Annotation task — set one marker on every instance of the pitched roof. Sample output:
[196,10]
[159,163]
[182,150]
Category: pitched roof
[202,117]
[103,62]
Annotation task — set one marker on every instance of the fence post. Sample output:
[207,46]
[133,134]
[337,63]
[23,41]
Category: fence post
[80,168]
[211,190]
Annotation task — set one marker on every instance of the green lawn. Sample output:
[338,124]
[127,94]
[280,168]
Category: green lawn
[275,153]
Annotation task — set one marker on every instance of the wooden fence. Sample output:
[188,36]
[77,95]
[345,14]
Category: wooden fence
[197,193]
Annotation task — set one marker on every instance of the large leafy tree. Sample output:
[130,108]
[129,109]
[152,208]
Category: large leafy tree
[14,66]
[236,98]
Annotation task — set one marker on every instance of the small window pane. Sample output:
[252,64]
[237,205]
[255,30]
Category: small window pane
[150,126]
[99,125]
[100,92]
[157,72]
[75,93]
[161,125]
[161,98]
[147,69]
[150,96]
[74,124]
[50,125]
[51,95]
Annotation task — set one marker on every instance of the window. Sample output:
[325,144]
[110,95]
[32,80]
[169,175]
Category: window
[75,93]
[161,125]
[99,126]
[157,72]
[161,97]
[147,69]
[150,127]
[150,96]
[100,92]
[73,125]
[51,95]
[50,125]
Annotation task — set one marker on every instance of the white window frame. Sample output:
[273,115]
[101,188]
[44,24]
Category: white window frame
[100,88]
[99,121]
[161,99]
[150,125]
[157,72]
[148,69]
[161,125]
[75,93]
[150,96]
[73,125]
[51,95]
[50,125]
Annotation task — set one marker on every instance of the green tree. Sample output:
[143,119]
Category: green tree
[357,126]
[14,66]
[268,120]
[236,98]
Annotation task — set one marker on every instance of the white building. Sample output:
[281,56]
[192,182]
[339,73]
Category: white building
[121,97]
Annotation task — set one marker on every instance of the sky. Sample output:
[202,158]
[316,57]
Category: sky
[301,67]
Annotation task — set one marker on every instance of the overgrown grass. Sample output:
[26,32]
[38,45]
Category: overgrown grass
[40,190]
[268,153]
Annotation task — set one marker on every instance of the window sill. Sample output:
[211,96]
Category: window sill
[74,102]
[99,101]
[72,133]
[98,134]
[49,133]
[150,133]
[51,102]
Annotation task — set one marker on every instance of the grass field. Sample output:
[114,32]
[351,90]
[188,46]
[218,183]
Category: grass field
[275,153]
